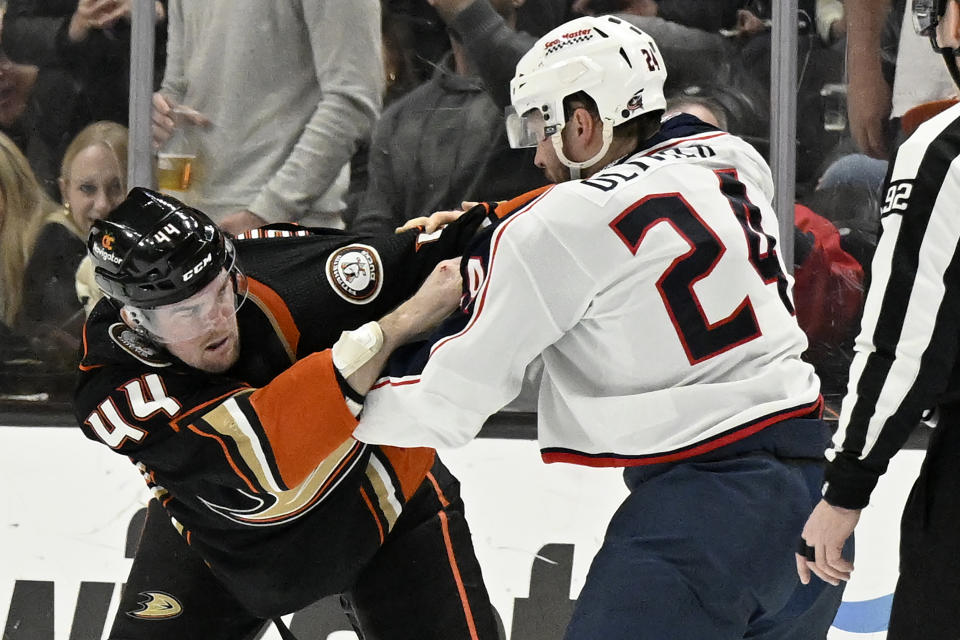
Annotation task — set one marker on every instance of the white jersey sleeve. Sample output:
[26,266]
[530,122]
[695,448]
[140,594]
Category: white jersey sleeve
[523,301]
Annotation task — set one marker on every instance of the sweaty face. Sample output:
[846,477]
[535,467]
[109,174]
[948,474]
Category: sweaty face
[94,187]
[201,330]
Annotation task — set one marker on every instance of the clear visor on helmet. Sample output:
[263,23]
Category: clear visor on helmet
[924,16]
[527,130]
[208,312]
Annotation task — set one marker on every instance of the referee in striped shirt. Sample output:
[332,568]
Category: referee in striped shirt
[907,362]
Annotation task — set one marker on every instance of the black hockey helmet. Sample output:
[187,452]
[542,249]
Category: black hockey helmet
[153,250]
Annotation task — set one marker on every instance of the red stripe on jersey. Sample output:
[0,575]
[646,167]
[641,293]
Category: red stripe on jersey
[495,243]
[612,460]
[674,143]
[395,382]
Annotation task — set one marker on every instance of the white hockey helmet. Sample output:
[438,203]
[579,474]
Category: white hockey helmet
[615,63]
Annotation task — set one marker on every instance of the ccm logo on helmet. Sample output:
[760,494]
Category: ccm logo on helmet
[198,268]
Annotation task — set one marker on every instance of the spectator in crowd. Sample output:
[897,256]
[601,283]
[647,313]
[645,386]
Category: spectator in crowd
[23,208]
[724,48]
[703,107]
[883,56]
[491,45]
[830,21]
[89,39]
[431,21]
[690,40]
[443,143]
[828,280]
[272,127]
[399,71]
[92,182]
[41,109]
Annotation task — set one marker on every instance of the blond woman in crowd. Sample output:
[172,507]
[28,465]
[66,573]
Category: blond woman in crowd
[92,182]
[23,208]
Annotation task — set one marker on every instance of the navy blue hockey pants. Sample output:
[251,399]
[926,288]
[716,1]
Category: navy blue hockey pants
[705,551]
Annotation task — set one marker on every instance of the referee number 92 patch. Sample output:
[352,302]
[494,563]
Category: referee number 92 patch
[896,198]
[355,272]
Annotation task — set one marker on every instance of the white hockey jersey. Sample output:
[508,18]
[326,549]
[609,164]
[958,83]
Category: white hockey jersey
[653,293]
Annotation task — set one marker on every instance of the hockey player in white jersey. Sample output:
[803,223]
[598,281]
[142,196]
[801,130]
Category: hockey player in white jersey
[649,285]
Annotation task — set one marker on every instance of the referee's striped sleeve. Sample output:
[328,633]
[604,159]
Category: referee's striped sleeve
[907,346]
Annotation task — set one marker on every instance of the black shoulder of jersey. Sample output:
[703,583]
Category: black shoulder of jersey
[333,281]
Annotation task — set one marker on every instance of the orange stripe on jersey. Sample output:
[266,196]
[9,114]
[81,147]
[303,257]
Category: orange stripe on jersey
[507,207]
[84,367]
[304,416]
[276,310]
[226,455]
[373,511]
[436,487]
[411,466]
[451,556]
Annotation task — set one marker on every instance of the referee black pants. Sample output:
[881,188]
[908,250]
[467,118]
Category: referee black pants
[926,603]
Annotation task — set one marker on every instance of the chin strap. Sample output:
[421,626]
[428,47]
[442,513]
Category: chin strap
[575,167]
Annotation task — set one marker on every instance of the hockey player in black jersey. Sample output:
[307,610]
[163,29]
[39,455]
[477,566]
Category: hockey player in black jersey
[231,374]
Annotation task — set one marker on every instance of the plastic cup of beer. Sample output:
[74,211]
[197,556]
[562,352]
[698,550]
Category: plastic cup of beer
[175,171]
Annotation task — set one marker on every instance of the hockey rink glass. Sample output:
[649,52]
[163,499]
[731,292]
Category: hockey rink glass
[203,313]
[924,16]
[527,130]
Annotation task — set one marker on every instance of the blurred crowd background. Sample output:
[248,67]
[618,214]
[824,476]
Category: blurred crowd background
[363,114]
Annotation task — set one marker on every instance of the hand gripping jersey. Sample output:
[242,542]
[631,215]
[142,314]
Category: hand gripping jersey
[653,293]
[257,466]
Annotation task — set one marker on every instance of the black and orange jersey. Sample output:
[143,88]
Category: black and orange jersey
[257,466]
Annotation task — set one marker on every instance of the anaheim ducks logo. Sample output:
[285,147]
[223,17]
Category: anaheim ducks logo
[355,273]
[157,606]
